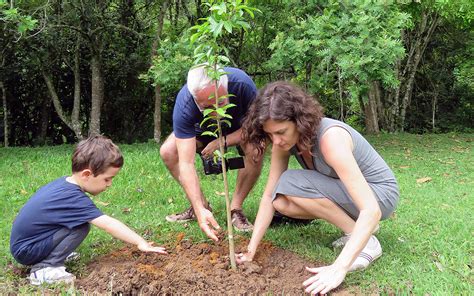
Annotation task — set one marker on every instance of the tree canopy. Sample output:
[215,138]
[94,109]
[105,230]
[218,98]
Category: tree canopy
[74,68]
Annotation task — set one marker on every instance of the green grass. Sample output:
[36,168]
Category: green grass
[428,244]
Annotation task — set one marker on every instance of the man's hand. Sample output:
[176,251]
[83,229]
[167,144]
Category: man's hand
[148,247]
[206,221]
[326,279]
[208,151]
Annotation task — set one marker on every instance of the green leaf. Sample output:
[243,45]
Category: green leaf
[249,11]
[222,113]
[206,112]
[204,120]
[194,37]
[227,122]
[224,58]
[218,29]
[209,133]
[230,105]
[228,26]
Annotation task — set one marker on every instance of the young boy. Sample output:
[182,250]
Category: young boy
[55,220]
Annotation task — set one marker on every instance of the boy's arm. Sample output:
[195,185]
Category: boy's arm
[121,231]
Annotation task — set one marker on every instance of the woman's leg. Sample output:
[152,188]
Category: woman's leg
[311,208]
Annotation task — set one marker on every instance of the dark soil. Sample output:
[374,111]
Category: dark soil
[201,269]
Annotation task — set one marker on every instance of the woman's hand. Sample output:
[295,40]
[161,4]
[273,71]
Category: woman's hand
[244,257]
[325,279]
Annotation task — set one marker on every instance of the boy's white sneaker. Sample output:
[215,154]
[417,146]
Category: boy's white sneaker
[51,275]
[72,257]
[369,254]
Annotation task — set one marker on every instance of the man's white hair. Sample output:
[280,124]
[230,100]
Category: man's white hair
[198,79]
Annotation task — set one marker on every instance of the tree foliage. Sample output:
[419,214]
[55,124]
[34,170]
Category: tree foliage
[374,64]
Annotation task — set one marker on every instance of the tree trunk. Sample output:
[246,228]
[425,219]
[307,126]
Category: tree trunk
[433,111]
[97,93]
[75,122]
[199,13]
[5,115]
[393,103]
[54,96]
[422,37]
[339,85]
[378,101]
[157,91]
[434,104]
[44,121]
[371,109]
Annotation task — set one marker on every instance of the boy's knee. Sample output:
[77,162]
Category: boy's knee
[81,231]
[86,227]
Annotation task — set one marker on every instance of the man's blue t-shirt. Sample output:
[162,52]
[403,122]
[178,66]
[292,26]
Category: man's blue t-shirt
[187,117]
[54,206]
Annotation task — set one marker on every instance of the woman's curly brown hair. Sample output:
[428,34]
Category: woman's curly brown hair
[282,101]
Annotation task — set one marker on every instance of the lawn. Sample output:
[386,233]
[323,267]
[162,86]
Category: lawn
[428,246]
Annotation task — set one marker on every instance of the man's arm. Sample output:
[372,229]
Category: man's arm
[121,231]
[232,139]
[190,182]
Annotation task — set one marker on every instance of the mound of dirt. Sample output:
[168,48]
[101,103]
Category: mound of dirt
[201,269]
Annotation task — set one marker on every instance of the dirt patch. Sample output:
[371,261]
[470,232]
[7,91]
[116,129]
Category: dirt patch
[201,269]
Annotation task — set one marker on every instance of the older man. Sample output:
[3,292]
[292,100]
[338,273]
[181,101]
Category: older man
[179,150]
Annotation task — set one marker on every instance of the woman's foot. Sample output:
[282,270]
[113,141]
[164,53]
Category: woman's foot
[369,254]
[341,242]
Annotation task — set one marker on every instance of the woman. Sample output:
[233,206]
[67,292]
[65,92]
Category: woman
[343,181]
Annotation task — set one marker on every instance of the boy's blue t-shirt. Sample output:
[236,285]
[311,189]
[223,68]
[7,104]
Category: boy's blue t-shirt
[54,206]
[187,117]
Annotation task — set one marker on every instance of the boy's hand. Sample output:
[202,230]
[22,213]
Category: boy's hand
[148,247]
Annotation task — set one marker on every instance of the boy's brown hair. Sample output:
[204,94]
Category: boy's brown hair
[96,153]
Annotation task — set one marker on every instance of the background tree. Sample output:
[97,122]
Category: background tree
[384,66]
[15,24]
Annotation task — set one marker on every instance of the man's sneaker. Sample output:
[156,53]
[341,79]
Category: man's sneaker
[341,242]
[51,275]
[279,219]
[372,251]
[239,221]
[72,257]
[185,216]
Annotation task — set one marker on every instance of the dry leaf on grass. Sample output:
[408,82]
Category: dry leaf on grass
[103,203]
[423,180]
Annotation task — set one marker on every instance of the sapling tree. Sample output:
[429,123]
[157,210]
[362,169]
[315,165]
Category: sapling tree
[225,18]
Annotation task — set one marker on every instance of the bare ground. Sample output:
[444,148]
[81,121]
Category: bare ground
[201,269]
